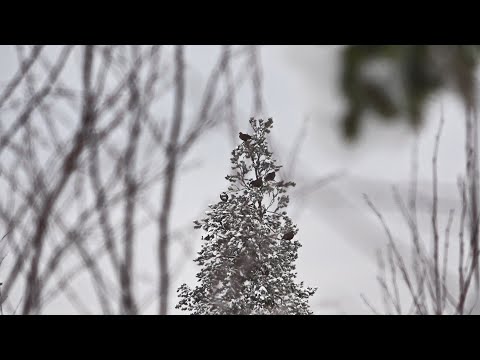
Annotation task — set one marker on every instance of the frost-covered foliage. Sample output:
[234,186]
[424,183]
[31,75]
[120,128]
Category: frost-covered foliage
[247,263]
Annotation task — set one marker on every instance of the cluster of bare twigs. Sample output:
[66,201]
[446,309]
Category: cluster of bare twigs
[2,257]
[435,282]
[84,170]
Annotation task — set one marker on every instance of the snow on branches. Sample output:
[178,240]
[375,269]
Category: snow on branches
[247,258]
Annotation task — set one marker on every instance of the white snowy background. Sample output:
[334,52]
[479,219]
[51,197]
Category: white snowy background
[339,234]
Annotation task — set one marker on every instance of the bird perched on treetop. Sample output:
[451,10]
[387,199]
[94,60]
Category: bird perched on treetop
[288,236]
[223,196]
[270,176]
[244,137]
[257,183]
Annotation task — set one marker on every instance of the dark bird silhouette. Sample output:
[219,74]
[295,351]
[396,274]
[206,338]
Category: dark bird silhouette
[244,137]
[270,176]
[288,236]
[223,197]
[257,183]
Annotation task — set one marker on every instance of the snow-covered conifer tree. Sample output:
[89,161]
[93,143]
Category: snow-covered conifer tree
[247,258]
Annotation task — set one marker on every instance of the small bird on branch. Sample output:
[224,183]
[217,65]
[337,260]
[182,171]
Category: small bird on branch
[270,176]
[288,236]
[257,183]
[244,137]
[223,196]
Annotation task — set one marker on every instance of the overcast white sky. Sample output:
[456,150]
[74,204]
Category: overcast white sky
[338,233]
